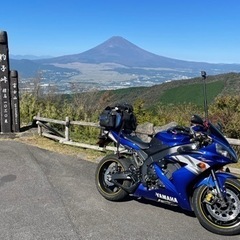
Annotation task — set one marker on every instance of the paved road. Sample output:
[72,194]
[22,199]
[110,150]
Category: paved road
[45,195]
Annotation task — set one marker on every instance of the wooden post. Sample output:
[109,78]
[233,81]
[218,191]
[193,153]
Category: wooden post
[39,127]
[67,132]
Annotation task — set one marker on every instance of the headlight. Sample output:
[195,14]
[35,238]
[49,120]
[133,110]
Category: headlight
[226,152]
[221,150]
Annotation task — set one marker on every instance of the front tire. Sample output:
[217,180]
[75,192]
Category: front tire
[108,165]
[214,217]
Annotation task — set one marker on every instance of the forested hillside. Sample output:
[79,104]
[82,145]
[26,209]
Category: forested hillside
[159,104]
[188,91]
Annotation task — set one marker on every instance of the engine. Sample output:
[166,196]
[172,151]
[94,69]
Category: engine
[152,180]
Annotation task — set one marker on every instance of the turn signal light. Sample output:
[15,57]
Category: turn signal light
[202,165]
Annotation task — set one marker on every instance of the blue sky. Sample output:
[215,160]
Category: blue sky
[196,30]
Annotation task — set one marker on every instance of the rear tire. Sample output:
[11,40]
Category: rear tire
[215,218]
[106,188]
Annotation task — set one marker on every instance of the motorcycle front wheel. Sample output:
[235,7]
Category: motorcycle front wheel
[107,166]
[223,220]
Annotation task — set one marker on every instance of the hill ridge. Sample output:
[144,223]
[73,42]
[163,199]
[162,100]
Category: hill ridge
[217,85]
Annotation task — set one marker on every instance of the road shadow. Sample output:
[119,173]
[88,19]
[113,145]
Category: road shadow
[31,126]
[162,205]
[7,178]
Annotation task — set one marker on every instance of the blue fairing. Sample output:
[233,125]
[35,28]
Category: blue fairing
[177,189]
[174,189]
[171,139]
[165,137]
[221,177]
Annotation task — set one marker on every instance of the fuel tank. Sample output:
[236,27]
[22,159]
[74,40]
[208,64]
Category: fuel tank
[173,136]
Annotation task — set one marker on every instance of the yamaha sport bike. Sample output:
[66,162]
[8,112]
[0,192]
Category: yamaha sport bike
[180,166]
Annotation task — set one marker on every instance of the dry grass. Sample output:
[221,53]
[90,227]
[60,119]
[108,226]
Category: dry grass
[55,146]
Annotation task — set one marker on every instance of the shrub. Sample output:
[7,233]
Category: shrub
[225,109]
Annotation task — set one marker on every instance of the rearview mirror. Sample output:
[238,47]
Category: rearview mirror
[195,119]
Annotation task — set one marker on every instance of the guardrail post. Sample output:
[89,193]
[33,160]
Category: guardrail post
[67,132]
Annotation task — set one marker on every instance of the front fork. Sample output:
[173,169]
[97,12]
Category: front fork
[220,188]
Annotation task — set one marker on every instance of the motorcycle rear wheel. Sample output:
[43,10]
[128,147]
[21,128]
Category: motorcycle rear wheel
[214,217]
[108,165]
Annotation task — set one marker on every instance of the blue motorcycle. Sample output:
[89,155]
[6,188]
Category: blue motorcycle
[180,166]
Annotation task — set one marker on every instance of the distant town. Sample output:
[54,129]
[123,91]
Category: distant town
[115,63]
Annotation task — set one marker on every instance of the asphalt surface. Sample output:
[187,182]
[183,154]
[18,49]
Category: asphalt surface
[45,195]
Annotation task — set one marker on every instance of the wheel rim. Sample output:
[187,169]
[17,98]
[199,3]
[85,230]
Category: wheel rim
[227,216]
[228,213]
[105,172]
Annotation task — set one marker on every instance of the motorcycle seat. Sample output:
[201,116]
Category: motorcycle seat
[138,141]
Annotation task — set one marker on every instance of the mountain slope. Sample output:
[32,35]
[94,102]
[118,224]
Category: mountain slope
[175,92]
[121,51]
[116,50]
[31,69]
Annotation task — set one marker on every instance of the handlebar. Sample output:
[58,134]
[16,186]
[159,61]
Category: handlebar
[202,138]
